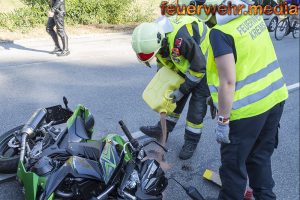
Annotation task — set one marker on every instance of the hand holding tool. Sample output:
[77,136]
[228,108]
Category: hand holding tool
[176,95]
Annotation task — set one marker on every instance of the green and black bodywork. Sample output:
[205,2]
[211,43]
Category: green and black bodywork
[91,159]
[54,163]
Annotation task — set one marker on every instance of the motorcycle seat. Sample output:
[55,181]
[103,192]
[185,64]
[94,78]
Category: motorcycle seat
[90,150]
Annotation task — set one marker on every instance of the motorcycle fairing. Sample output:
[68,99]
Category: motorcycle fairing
[90,150]
[31,182]
[152,177]
[76,167]
[80,111]
[109,160]
[118,141]
[77,131]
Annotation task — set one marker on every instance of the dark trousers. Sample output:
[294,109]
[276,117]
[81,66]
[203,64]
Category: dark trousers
[58,21]
[197,107]
[252,144]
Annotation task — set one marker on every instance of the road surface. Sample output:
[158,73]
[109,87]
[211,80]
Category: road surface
[102,73]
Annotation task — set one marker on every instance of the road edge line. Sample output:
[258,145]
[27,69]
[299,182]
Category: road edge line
[293,86]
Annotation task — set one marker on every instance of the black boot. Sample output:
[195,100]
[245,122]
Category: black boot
[65,50]
[191,141]
[56,50]
[156,131]
[63,53]
[54,37]
[187,149]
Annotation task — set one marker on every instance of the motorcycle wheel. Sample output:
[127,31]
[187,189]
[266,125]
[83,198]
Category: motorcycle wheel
[9,157]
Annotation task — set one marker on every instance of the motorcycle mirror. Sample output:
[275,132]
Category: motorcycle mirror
[66,102]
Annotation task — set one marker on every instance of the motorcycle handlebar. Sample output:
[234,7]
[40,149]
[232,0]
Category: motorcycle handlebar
[125,130]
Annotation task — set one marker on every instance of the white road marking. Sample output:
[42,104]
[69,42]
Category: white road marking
[294,86]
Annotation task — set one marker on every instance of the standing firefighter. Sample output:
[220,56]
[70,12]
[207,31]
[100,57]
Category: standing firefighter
[56,18]
[179,43]
[247,85]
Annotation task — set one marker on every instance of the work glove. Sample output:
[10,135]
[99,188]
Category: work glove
[213,109]
[222,133]
[176,95]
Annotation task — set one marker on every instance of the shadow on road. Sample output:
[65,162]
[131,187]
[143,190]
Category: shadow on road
[12,45]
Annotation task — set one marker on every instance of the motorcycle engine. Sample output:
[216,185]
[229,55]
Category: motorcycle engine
[133,180]
[44,166]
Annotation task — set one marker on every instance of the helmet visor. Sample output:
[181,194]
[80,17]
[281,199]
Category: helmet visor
[145,57]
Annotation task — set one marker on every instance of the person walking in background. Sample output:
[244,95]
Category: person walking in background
[56,18]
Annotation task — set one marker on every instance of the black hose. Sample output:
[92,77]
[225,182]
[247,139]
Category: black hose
[191,191]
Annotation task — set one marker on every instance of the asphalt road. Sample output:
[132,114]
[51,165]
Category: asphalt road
[103,74]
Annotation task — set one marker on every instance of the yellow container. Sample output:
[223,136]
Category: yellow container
[156,94]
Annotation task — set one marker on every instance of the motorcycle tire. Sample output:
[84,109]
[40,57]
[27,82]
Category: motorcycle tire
[8,164]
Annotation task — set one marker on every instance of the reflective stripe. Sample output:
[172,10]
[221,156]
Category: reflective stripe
[258,95]
[258,75]
[190,29]
[206,54]
[196,74]
[193,78]
[172,114]
[172,119]
[203,33]
[213,88]
[216,105]
[194,130]
[251,78]
[190,124]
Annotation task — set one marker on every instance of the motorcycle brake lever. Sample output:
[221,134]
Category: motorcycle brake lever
[65,100]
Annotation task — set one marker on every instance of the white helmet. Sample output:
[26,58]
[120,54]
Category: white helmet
[147,40]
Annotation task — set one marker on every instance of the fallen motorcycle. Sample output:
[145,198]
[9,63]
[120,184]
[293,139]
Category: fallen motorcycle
[67,164]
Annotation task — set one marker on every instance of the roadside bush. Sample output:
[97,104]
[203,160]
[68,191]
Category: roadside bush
[141,10]
[23,18]
[95,11]
[81,12]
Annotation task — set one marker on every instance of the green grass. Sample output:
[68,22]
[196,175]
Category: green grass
[10,5]
[14,15]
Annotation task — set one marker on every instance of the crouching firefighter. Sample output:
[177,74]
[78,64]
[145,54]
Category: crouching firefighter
[56,18]
[179,43]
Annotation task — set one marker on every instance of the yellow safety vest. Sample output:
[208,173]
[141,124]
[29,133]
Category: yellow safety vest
[259,81]
[177,23]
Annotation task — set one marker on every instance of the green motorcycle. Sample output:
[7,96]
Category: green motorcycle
[54,163]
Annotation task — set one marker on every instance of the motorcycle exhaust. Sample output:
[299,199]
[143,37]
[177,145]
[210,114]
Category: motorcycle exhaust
[23,144]
[30,127]
[34,122]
